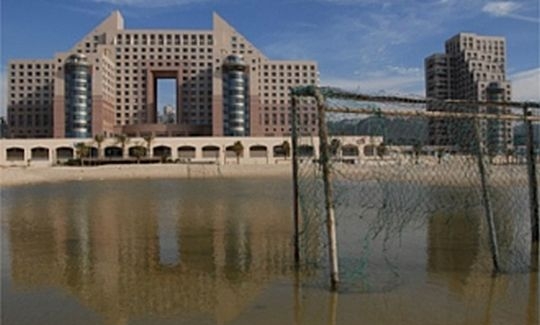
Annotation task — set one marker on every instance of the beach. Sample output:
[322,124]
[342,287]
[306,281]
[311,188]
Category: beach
[16,176]
[450,173]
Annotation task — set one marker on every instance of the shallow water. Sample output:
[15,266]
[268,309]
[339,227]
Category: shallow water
[219,252]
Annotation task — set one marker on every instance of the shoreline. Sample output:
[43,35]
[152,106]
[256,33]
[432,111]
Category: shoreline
[444,175]
[21,176]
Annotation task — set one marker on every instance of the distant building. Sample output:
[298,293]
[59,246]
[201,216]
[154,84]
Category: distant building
[169,115]
[520,134]
[107,83]
[472,68]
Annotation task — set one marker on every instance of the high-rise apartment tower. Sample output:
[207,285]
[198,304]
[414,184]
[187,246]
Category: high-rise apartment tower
[107,84]
[472,68]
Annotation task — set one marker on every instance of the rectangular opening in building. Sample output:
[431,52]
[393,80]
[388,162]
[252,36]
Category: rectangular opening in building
[166,100]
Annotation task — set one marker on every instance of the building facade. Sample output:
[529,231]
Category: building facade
[107,84]
[472,68]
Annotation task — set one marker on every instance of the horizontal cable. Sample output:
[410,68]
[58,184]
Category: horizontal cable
[435,114]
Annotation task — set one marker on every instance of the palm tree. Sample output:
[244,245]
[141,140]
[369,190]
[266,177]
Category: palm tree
[138,151]
[286,149]
[82,150]
[238,149]
[123,140]
[440,154]
[381,150]
[417,149]
[149,139]
[98,139]
[335,144]
[509,154]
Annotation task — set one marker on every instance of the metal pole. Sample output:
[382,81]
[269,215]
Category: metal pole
[486,197]
[533,189]
[296,201]
[328,192]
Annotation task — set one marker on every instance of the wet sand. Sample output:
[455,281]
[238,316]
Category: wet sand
[445,174]
[455,173]
[14,176]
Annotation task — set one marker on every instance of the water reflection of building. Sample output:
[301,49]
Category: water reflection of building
[459,255]
[459,252]
[458,240]
[453,246]
[104,248]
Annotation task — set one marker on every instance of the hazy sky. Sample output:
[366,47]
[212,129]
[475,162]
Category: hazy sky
[365,45]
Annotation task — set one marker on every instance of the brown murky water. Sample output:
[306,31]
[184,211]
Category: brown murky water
[219,252]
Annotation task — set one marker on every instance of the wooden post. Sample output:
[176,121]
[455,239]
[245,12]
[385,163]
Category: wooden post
[486,197]
[533,189]
[296,202]
[324,159]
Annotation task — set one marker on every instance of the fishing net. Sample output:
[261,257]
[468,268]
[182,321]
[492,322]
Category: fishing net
[416,184]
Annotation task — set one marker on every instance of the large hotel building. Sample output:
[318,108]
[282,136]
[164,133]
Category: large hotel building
[107,84]
[472,68]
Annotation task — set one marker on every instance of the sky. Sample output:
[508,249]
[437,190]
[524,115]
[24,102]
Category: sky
[370,46]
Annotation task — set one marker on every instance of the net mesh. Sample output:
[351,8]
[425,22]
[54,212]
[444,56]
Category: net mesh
[407,180]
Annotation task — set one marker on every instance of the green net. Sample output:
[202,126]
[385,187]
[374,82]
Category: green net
[415,183]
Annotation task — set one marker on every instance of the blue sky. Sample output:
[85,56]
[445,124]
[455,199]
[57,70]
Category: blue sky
[364,45]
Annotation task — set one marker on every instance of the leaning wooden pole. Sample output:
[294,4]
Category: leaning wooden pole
[488,210]
[324,160]
[296,201]
[533,189]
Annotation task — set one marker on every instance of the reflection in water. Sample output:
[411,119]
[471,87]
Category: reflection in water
[444,231]
[218,252]
[458,251]
[333,303]
[533,304]
[168,249]
[168,234]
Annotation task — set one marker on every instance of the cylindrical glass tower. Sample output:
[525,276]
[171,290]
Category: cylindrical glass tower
[78,97]
[235,94]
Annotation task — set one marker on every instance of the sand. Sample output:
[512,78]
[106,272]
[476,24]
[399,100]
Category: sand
[16,176]
[456,173]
